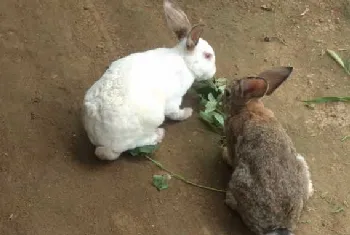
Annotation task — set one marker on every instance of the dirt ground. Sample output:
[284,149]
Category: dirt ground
[53,51]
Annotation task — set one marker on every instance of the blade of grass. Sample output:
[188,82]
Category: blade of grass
[347,66]
[339,60]
[345,138]
[338,210]
[336,57]
[329,99]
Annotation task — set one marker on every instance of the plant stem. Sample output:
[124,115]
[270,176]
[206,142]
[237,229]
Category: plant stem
[179,177]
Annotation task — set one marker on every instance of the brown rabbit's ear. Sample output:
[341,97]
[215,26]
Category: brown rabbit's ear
[275,77]
[253,87]
[176,19]
[194,35]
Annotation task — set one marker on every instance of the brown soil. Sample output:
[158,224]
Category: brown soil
[52,52]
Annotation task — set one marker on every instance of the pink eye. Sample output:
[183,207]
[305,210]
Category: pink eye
[208,55]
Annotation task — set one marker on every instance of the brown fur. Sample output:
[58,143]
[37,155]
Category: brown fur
[269,185]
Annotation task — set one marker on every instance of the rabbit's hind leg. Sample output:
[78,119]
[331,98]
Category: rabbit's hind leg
[152,138]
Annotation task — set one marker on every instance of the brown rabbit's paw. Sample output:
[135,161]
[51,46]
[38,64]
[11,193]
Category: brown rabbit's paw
[231,201]
[225,155]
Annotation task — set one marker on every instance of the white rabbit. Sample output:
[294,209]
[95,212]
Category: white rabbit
[125,107]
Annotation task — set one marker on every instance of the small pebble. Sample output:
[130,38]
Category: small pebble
[266,8]
[267,39]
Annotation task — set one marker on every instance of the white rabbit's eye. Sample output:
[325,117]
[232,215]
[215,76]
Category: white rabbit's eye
[208,55]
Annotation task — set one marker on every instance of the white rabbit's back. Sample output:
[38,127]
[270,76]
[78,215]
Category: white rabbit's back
[107,112]
[129,99]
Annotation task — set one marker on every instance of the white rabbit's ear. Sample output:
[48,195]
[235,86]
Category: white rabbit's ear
[176,19]
[275,77]
[194,35]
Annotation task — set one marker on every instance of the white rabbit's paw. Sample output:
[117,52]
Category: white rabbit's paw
[180,114]
[187,112]
[160,134]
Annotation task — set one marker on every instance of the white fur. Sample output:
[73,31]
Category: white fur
[301,159]
[125,107]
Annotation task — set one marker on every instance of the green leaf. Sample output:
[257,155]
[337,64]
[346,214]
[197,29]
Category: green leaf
[345,138]
[219,118]
[144,150]
[203,100]
[211,97]
[329,99]
[222,88]
[208,117]
[210,106]
[160,182]
[221,82]
[204,88]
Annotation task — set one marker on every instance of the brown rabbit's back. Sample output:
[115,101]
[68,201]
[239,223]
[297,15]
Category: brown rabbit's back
[268,182]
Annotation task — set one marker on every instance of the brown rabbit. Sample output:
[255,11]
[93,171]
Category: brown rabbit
[270,182]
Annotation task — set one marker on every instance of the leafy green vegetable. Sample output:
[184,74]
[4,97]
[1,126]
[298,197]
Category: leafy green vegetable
[144,150]
[219,118]
[329,99]
[211,92]
[160,181]
[210,106]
